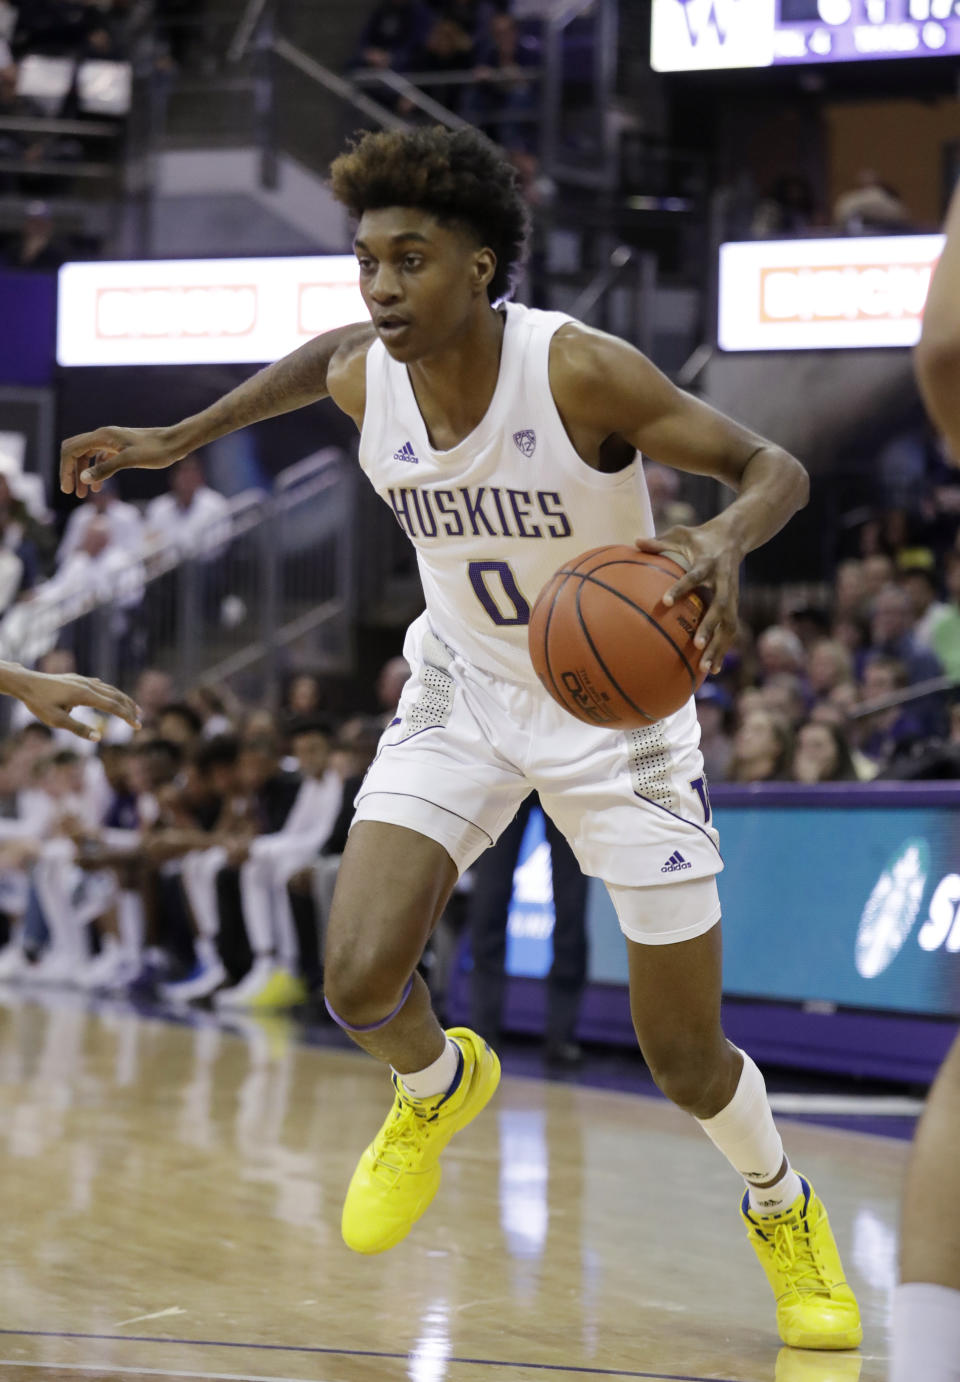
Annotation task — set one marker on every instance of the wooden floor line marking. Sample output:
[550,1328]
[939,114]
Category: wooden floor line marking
[149,1372]
[252,1377]
[559,1368]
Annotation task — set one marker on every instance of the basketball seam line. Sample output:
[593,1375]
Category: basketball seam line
[546,637]
[606,670]
[585,576]
[546,631]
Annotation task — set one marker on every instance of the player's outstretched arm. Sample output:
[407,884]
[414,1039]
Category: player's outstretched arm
[937,357]
[51,698]
[604,386]
[292,382]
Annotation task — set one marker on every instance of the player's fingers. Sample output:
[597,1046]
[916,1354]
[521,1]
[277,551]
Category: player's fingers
[59,719]
[99,696]
[671,544]
[716,650]
[76,451]
[698,575]
[105,465]
[715,634]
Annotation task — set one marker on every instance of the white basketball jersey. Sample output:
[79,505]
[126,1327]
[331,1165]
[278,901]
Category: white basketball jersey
[493,517]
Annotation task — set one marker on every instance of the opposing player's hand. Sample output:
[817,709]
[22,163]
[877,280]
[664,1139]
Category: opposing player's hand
[89,459]
[51,698]
[711,564]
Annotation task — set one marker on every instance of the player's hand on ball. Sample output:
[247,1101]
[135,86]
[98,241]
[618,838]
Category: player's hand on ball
[92,457]
[51,698]
[712,564]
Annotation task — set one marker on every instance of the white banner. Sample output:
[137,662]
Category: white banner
[201,311]
[856,293]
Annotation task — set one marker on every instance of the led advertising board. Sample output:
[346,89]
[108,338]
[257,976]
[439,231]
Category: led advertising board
[831,900]
[825,294]
[201,311]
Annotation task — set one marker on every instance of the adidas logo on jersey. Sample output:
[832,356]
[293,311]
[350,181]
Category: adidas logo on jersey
[407,453]
[675,863]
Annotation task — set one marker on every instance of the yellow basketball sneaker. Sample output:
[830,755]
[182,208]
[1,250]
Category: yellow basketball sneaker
[797,1250]
[399,1173]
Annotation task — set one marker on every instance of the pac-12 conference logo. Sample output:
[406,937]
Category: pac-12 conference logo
[525,441]
[690,34]
[892,908]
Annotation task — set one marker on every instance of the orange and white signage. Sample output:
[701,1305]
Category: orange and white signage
[829,294]
[201,311]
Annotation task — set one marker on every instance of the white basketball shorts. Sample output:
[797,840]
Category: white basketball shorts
[467,747]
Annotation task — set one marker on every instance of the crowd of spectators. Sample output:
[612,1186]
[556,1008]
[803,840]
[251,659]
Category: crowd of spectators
[59,60]
[193,859]
[847,689]
[475,38]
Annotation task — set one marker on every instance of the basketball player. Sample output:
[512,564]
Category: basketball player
[505,441]
[50,698]
[926,1315]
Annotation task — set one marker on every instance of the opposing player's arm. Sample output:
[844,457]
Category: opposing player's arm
[604,386]
[937,357]
[292,382]
[51,698]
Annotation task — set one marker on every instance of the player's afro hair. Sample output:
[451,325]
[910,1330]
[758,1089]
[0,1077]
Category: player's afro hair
[458,176]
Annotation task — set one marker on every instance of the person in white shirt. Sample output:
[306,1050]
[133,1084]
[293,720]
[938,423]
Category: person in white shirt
[123,521]
[192,515]
[266,867]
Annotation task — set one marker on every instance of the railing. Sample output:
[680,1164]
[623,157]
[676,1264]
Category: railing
[270,585]
[628,268]
[918,691]
[338,86]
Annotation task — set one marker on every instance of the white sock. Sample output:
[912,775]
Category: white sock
[206,951]
[132,923]
[437,1077]
[747,1136]
[926,1334]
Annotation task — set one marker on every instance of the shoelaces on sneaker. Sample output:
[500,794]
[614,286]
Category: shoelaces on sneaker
[794,1253]
[403,1137]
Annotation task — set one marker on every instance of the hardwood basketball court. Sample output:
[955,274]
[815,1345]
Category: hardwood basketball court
[172,1200]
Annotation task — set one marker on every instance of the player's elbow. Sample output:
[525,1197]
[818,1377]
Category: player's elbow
[796,480]
[803,484]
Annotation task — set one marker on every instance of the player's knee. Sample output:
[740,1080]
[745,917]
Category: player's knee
[360,987]
[687,1069]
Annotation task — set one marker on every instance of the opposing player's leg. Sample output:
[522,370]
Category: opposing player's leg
[675,991]
[392,885]
[926,1313]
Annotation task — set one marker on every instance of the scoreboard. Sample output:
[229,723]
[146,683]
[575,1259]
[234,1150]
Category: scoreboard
[691,35]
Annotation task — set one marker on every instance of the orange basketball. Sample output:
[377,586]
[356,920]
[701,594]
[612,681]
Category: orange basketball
[605,645]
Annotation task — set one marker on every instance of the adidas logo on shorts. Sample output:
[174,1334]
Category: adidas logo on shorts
[675,863]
